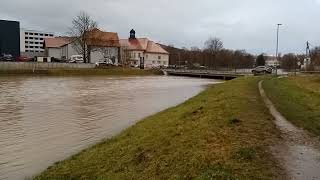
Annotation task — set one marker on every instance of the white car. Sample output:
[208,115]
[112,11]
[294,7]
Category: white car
[76,59]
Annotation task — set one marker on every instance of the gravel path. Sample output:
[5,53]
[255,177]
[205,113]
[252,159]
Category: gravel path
[298,152]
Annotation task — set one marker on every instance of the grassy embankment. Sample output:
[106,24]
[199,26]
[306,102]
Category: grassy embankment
[222,133]
[298,99]
[84,72]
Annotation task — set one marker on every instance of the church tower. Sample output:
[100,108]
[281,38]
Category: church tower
[132,34]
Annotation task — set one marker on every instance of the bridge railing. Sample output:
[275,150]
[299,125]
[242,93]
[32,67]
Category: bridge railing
[209,71]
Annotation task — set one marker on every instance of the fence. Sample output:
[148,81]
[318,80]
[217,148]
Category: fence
[42,66]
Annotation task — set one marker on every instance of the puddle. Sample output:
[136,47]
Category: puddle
[298,152]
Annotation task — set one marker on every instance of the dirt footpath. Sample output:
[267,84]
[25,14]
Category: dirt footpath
[298,152]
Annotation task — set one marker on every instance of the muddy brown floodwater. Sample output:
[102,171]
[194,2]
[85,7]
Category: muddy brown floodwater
[47,119]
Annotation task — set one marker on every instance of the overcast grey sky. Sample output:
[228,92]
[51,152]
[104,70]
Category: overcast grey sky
[241,24]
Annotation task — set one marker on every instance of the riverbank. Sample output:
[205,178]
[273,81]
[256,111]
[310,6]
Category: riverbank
[298,99]
[83,72]
[225,133]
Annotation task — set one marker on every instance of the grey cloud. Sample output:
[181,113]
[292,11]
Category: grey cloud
[241,24]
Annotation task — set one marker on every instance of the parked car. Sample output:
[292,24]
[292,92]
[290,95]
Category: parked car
[6,57]
[104,63]
[76,59]
[262,70]
[24,59]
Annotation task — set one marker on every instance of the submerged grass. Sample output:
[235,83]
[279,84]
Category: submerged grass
[298,99]
[84,72]
[223,133]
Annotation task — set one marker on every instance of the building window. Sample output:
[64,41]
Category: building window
[159,62]
[30,37]
[27,46]
[31,42]
[26,42]
[134,55]
[146,55]
[139,55]
[36,42]
[153,62]
[30,33]
[159,57]
[41,34]
[41,38]
[51,35]
[26,33]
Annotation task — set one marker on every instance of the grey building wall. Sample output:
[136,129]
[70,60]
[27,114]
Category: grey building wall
[32,54]
[54,52]
[101,53]
[68,51]
[10,37]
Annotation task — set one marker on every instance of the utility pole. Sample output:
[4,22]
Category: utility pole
[179,61]
[277,49]
[307,61]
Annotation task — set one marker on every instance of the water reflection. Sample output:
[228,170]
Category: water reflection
[46,119]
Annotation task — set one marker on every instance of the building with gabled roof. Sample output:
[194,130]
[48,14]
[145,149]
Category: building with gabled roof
[103,46]
[144,52]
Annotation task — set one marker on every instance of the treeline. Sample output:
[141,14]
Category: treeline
[291,61]
[212,56]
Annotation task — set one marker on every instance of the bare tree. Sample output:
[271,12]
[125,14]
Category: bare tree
[213,44]
[289,61]
[80,26]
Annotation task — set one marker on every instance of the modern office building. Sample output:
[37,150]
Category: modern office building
[31,42]
[10,38]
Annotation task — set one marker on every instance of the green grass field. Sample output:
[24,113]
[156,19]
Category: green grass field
[298,99]
[84,72]
[223,133]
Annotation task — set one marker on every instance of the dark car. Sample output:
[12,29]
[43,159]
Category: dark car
[6,57]
[24,59]
[262,70]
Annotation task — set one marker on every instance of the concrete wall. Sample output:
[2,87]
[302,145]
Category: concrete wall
[32,54]
[42,66]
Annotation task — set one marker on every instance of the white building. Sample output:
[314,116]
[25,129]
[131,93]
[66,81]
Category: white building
[31,42]
[58,48]
[102,45]
[271,61]
[142,51]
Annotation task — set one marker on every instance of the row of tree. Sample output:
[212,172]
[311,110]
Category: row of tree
[212,56]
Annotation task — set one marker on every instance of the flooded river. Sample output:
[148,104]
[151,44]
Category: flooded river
[47,119]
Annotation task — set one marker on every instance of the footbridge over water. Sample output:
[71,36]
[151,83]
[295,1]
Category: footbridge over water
[213,74]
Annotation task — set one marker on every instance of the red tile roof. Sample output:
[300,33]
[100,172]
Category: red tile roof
[57,42]
[102,39]
[142,44]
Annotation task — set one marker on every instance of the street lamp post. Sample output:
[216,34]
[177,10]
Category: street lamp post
[277,49]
